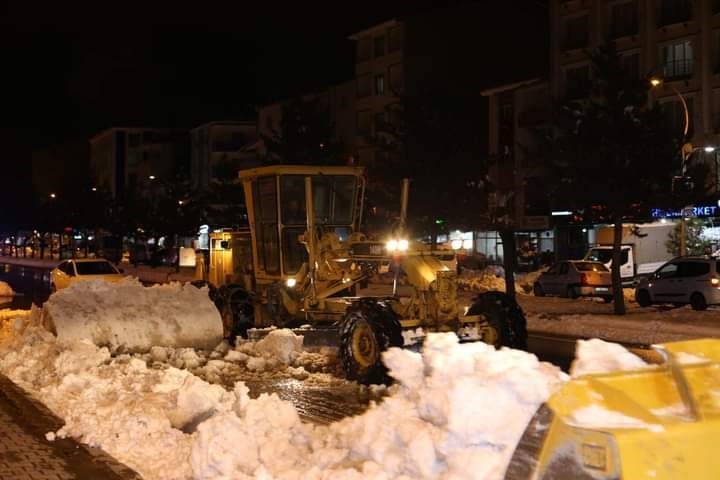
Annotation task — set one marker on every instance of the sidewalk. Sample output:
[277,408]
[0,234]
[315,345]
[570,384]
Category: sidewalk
[25,454]
[145,273]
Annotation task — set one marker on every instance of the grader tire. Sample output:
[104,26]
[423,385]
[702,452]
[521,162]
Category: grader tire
[368,329]
[236,310]
[505,318]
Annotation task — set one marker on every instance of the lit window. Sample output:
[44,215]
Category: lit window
[379,84]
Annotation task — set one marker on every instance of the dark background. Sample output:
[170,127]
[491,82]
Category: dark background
[71,69]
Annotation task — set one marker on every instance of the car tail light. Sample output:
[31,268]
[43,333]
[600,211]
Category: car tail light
[583,278]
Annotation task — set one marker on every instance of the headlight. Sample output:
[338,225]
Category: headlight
[456,244]
[290,282]
[403,245]
[392,245]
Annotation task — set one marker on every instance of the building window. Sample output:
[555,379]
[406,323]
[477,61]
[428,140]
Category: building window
[505,113]
[364,86]
[576,32]
[577,82]
[379,46]
[677,60]
[395,74]
[364,117]
[395,39]
[379,121]
[674,114]
[630,65]
[675,11]
[379,84]
[364,49]
[624,19]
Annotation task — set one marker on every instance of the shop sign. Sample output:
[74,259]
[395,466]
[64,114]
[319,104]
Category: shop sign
[695,211]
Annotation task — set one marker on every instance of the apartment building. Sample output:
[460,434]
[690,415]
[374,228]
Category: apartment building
[379,81]
[219,148]
[339,103]
[123,158]
[677,41]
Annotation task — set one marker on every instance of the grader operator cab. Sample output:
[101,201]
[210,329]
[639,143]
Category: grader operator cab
[304,261]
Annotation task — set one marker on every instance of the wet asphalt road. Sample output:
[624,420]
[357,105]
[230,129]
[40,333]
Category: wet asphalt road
[318,403]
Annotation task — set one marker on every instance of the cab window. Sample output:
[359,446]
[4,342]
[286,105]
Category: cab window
[265,197]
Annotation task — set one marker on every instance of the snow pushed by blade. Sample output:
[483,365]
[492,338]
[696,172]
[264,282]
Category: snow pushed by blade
[5,291]
[599,356]
[126,316]
[456,413]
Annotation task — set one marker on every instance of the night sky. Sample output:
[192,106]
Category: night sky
[70,69]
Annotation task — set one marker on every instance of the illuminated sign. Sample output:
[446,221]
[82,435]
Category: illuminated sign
[698,211]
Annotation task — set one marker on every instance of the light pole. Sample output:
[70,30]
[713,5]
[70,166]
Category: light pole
[685,151]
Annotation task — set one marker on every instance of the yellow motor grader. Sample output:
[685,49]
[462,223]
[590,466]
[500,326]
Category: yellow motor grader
[304,261]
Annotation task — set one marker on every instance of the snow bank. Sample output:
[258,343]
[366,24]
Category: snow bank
[126,316]
[5,291]
[489,279]
[598,356]
[457,412]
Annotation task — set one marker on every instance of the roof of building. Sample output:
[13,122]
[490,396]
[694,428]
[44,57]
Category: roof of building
[373,29]
[109,130]
[226,122]
[511,86]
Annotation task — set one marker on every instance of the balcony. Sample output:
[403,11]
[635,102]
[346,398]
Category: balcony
[678,69]
[677,11]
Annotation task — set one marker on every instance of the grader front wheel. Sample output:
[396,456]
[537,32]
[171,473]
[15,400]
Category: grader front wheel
[369,328]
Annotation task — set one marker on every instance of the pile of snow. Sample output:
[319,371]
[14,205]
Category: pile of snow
[527,281]
[126,316]
[457,412]
[598,356]
[489,279]
[5,290]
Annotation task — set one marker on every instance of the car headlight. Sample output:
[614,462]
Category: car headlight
[290,282]
[456,244]
[403,245]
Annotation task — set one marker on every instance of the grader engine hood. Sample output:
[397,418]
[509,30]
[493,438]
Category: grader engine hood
[422,270]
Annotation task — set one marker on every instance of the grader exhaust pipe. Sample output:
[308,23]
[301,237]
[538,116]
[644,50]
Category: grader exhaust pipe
[404,194]
[312,250]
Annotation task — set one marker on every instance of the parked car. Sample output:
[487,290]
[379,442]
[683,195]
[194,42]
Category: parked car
[79,269]
[575,278]
[683,280]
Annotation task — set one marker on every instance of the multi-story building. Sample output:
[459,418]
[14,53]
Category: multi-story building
[220,148]
[339,103]
[123,158]
[674,41]
[379,81]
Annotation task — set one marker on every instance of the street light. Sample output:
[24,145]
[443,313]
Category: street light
[151,177]
[52,195]
[685,152]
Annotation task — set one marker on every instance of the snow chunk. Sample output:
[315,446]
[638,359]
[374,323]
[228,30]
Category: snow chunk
[598,356]
[595,416]
[281,344]
[5,291]
[127,316]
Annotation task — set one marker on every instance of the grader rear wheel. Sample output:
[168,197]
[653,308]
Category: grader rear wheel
[368,329]
[506,324]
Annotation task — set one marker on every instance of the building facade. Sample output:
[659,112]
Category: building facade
[220,148]
[338,101]
[126,158]
[674,41]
